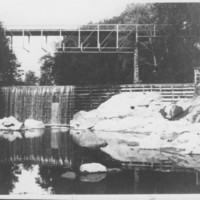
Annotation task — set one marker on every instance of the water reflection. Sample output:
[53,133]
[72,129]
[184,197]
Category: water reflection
[32,163]
[10,135]
[45,146]
[33,133]
[26,183]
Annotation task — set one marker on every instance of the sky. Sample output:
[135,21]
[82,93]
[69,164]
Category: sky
[53,12]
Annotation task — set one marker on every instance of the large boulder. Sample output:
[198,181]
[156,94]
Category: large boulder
[185,104]
[171,111]
[84,119]
[10,123]
[32,123]
[92,168]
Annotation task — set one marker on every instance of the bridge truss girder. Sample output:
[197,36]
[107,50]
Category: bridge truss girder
[99,38]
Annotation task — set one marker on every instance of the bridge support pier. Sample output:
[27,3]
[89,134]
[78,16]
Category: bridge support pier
[135,63]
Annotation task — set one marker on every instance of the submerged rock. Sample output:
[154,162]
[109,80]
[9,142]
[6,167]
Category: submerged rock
[32,123]
[92,168]
[87,138]
[114,170]
[69,175]
[121,152]
[95,177]
[124,153]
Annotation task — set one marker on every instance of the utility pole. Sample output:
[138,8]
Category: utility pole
[135,63]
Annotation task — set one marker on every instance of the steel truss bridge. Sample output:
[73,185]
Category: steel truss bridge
[92,38]
[98,38]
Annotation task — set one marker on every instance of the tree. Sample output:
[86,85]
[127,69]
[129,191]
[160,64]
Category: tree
[31,78]
[9,67]
[46,70]
[181,41]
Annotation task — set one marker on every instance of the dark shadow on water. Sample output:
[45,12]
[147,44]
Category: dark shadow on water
[167,183]
[7,178]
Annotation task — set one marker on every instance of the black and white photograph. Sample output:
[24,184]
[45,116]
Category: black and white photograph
[99,99]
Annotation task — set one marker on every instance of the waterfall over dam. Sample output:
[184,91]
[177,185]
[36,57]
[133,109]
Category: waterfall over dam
[50,104]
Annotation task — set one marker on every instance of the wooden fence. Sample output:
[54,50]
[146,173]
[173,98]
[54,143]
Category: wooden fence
[90,97]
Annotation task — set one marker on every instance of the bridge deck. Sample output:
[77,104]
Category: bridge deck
[143,29]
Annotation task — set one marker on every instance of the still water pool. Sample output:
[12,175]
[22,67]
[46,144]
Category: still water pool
[32,162]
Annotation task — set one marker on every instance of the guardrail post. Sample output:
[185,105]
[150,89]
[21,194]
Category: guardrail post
[136,67]
[172,92]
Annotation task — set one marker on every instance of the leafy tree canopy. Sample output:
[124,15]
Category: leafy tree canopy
[46,70]
[31,78]
[9,67]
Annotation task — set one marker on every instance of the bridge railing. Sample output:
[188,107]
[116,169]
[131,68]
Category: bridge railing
[92,27]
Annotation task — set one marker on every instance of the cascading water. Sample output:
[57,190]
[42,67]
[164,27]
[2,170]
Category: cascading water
[50,104]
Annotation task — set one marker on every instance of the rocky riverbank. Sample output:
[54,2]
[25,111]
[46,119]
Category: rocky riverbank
[139,127]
